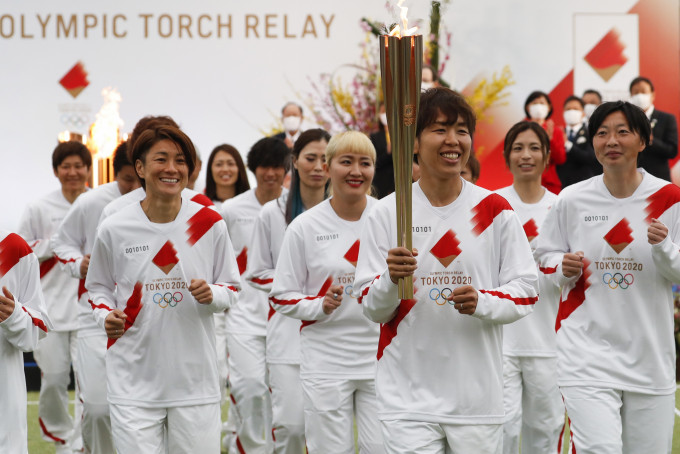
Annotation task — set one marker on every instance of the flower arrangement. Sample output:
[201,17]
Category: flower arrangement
[337,105]
[489,93]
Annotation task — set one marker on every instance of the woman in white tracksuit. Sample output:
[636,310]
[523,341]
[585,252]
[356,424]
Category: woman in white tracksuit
[307,189]
[160,269]
[313,282]
[532,401]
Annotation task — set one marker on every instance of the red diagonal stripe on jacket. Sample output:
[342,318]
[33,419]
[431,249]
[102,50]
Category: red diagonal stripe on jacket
[486,211]
[520,301]
[202,200]
[576,296]
[132,308]
[547,270]
[35,320]
[200,223]
[64,260]
[365,291]
[242,260]
[257,280]
[12,249]
[388,331]
[662,200]
[81,288]
[324,288]
[46,266]
[98,306]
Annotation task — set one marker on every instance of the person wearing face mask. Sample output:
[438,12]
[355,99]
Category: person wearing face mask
[538,108]
[591,99]
[664,144]
[430,78]
[383,181]
[291,117]
[581,163]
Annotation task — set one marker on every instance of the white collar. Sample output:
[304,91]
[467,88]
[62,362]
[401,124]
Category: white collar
[295,137]
[650,111]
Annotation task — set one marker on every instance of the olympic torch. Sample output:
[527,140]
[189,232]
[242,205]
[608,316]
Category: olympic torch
[401,60]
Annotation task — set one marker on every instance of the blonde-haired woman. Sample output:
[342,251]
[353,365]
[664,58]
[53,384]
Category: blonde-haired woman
[313,283]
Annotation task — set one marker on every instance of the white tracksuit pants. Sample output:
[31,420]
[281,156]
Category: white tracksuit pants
[533,405]
[54,355]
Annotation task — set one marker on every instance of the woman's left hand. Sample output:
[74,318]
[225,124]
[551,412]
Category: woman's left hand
[656,232]
[464,299]
[200,290]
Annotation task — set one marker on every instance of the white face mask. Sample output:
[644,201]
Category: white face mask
[588,109]
[426,86]
[642,100]
[572,117]
[539,111]
[291,124]
[383,118]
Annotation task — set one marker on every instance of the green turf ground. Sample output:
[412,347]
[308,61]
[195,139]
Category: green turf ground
[37,446]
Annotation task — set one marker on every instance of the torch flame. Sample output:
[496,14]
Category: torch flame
[397,30]
[104,132]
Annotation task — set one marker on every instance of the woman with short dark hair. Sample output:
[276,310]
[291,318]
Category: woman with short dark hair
[159,270]
[613,245]
[532,401]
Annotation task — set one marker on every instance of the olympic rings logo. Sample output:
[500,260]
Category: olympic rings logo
[440,297]
[74,119]
[618,280]
[168,299]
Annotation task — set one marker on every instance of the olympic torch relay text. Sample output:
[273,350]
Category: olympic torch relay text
[164,25]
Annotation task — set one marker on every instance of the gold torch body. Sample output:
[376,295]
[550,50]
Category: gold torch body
[401,72]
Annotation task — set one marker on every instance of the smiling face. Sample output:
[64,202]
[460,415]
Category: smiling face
[164,170]
[527,159]
[269,178]
[351,174]
[310,165]
[72,174]
[443,148]
[616,146]
[224,170]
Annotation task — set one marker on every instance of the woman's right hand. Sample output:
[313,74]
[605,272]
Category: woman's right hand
[333,299]
[115,324]
[401,263]
[572,264]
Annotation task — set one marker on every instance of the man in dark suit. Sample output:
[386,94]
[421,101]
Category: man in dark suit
[383,180]
[291,116]
[664,144]
[581,163]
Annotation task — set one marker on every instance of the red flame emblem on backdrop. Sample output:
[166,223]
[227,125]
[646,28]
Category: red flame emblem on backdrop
[75,80]
[607,57]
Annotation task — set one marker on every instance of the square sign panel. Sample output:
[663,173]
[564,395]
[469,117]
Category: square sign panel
[606,53]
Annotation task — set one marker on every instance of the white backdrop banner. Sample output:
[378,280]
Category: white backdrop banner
[223,69]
